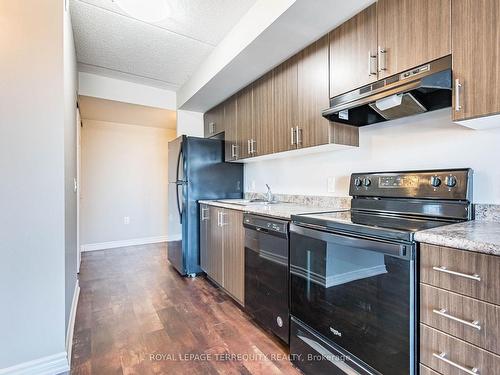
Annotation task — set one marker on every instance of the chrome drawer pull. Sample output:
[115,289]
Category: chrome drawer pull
[446,270]
[442,357]
[444,313]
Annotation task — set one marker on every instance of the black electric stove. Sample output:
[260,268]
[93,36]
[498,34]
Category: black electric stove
[353,273]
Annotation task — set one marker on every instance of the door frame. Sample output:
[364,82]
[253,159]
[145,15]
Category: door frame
[79,125]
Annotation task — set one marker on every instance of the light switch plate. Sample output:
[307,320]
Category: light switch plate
[331,184]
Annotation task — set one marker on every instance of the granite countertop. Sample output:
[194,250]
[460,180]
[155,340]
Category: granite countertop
[478,236]
[279,210]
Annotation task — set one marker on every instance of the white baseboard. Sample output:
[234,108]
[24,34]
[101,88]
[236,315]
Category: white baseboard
[50,365]
[71,322]
[123,243]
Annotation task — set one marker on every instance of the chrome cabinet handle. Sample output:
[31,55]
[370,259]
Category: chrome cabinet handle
[203,211]
[442,357]
[249,147]
[211,127]
[252,144]
[372,64]
[222,214]
[444,313]
[450,272]
[458,87]
[298,132]
[382,59]
[234,151]
[292,140]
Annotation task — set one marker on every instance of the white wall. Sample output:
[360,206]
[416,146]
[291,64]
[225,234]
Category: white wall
[70,94]
[124,91]
[427,141]
[124,173]
[32,245]
[189,123]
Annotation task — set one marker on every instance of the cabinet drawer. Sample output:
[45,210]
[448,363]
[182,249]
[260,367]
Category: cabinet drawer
[464,272]
[479,321]
[450,356]
[424,370]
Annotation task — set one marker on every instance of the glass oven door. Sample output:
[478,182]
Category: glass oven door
[358,293]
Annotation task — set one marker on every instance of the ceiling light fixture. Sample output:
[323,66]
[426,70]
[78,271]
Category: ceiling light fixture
[150,11]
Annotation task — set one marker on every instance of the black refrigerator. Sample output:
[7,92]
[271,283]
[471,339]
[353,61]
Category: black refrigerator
[196,171]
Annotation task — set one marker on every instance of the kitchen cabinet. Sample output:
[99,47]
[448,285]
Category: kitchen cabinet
[245,122]
[262,116]
[412,33]
[285,99]
[222,248]
[459,310]
[353,52]
[313,89]
[213,121]
[476,62]
[231,129]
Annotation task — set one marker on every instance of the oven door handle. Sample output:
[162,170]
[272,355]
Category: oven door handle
[376,245]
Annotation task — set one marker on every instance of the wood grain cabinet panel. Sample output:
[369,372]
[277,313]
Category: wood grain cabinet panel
[456,353]
[263,116]
[231,129]
[353,52]
[215,247]
[285,105]
[480,321]
[213,121]
[313,94]
[476,57]
[424,370]
[412,32]
[234,254]
[245,121]
[472,274]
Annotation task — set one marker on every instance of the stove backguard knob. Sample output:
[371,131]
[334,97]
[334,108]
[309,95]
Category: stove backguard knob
[450,181]
[358,181]
[435,181]
[367,182]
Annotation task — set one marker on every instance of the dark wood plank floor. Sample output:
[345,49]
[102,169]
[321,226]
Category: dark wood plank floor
[136,315]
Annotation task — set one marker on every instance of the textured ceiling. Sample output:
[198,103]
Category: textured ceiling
[111,43]
[125,113]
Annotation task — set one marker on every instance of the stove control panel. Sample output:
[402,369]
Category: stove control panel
[437,184]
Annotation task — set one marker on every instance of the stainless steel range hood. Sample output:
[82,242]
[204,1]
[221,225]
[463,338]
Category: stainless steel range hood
[422,89]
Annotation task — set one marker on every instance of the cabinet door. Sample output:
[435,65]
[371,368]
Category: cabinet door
[412,32]
[313,94]
[285,105]
[244,120]
[476,57]
[214,121]
[215,246]
[353,52]
[263,111]
[231,130]
[234,254]
[204,238]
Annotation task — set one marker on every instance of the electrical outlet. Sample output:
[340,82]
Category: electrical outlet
[126,220]
[331,184]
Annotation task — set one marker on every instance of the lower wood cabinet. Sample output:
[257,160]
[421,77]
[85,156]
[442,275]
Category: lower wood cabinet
[222,248]
[459,311]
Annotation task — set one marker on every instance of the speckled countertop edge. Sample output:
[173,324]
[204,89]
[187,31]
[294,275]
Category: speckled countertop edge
[477,236]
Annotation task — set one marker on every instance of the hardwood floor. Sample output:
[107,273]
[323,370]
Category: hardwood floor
[136,315]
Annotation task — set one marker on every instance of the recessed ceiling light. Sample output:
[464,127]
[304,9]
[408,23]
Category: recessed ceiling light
[145,10]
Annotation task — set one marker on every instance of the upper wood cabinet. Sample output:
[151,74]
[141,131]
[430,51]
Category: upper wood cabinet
[353,52]
[412,32]
[262,116]
[231,129]
[285,99]
[245,122]
[476,58]
[214,121]
[312,83]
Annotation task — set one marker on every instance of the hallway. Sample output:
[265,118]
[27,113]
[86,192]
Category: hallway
[137,316]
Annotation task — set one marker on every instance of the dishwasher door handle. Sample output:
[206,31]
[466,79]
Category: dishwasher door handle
[262,230]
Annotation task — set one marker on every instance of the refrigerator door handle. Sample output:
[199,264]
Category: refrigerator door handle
[179,183]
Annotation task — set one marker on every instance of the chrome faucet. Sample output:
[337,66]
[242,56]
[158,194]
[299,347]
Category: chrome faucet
[269,194]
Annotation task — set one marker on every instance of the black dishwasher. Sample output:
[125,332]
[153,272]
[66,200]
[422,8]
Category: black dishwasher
[266,273]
